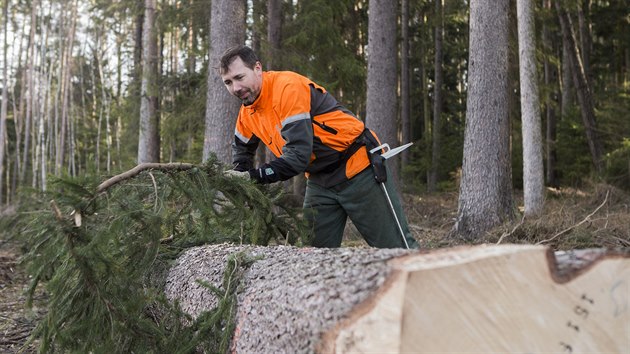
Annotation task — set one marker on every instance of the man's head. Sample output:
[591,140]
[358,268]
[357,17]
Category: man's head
[241,72]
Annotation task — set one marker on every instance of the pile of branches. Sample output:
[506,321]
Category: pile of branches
[101,250]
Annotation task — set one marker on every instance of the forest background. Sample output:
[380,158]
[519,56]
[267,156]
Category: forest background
[92,88]
[110,84]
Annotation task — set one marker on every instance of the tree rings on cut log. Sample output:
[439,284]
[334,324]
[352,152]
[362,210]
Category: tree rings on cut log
[481,299]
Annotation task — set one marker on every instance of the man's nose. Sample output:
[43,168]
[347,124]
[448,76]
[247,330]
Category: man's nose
[236,87]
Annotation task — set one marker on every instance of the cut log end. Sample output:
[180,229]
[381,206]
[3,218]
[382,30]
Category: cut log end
[495,299]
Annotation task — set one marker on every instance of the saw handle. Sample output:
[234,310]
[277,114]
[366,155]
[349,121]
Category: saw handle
[380,147]
[378,166]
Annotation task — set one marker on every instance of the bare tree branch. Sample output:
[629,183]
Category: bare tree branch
[587,218]
[177,166]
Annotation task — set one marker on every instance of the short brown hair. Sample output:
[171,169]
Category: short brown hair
[246,54]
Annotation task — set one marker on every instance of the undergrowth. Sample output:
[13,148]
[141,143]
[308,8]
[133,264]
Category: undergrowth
[96,250]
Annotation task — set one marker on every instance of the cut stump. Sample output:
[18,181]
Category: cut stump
[478,299]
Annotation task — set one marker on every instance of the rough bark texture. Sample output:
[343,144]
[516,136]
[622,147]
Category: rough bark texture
[485,199]
[227,29]
[149,140]
[290,297]
[381,75]
[482,299]
[533,171]
[274,34]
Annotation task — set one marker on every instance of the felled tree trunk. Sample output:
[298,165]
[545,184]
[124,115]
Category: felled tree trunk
[513,298]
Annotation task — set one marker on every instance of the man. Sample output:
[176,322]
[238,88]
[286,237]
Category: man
[310,132]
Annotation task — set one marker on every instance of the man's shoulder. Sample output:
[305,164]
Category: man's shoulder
[282,78]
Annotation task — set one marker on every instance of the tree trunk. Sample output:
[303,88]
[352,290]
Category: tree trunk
[149,140]
[29,92]
[514,298]
[567,80]
[265,10]
[191,43]
[137,48]
[405,90]
[583,89]
[227,28]
[66,59]
[485,198]
[584,26]
[381,75]
[274,34]
[533,171]
[551,82]
[5,98]
[437,99]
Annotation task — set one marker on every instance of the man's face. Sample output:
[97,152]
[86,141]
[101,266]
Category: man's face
[242,81]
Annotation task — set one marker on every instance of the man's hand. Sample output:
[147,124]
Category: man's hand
[238,174]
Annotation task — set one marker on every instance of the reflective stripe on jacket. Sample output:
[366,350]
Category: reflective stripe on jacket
[304,127]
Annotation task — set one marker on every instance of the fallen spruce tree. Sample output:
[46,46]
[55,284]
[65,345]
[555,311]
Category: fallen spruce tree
[482,299]
[147,261]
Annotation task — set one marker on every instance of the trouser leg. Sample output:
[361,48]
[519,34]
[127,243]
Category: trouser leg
[369,210]
[324,215]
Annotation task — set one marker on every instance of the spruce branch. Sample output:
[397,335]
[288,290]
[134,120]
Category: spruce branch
[100,254]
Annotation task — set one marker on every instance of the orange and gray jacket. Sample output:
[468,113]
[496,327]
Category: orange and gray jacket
[305,128]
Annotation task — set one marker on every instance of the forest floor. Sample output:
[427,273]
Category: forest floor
[597,216]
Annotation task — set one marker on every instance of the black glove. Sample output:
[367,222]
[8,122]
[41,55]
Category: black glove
[264,174]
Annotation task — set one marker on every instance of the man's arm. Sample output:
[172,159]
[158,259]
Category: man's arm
[243,152]
[296,153]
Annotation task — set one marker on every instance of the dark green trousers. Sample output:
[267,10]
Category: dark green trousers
[362,200]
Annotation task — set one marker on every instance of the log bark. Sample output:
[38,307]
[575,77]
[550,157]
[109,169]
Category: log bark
[511,298]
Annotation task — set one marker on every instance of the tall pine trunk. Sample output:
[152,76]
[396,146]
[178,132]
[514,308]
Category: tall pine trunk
[274,34]
[551,82]
[5,98]
[437,99]
[227,29]
[149,140]
[533,174]
[381,75]
[405,104]
[485,198]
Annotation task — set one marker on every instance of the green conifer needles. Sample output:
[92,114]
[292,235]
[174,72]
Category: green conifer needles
[102,255]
